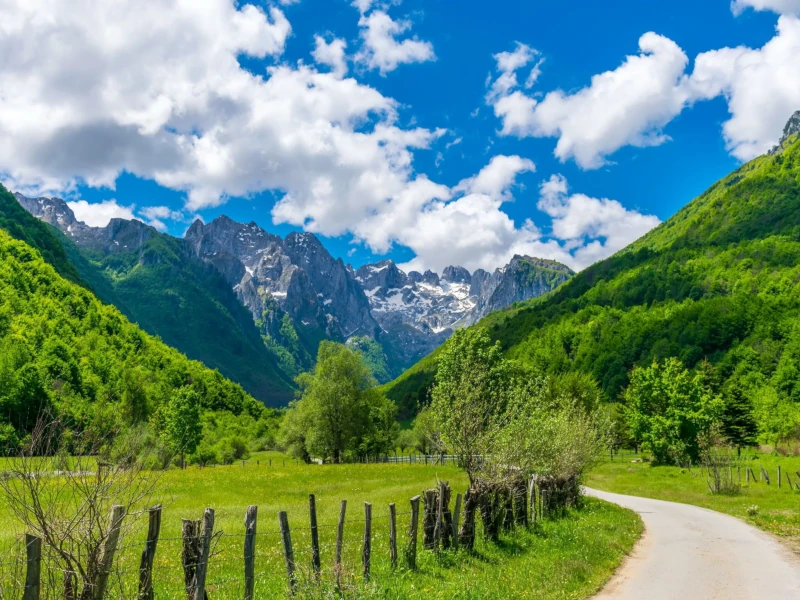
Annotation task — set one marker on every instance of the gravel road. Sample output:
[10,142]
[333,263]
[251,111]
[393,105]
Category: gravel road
[691,553]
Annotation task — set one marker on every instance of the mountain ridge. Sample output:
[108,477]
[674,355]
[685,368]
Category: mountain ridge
[294,290]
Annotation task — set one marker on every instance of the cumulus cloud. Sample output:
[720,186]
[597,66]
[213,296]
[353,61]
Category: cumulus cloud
[99,214]
[497,177]
[381,49]
[782,7]
[165,98]
[592,228]
[156,215]
[332,54]
[761,86]
[630,105]
[627,106]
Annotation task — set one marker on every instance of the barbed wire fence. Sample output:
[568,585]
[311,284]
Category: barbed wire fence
[269,557]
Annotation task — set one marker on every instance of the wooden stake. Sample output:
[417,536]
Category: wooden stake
[337,561]
[393,535]
[190,531]
[437,528]
[149,554]
[205,551]
[33,567]
[456,514]
[288,554]
[250,520]
[109,548]
[315,561]
[366,555]
[413,529]
[779,476]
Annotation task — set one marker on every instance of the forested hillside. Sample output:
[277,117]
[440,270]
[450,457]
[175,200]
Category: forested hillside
[718,281]
[62,349]
[166,291]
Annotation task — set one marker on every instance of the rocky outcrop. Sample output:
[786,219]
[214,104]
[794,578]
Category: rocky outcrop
[417,312]
[297,273]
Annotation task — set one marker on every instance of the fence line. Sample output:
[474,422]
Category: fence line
[201,560]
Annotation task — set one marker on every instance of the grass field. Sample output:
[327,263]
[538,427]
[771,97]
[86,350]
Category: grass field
[564,558]
[778,509]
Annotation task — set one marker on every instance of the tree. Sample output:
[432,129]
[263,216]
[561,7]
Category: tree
[405,440]
[427,439]
[339,411]
[467,398]
[181,418]
[738,421]
[668,408]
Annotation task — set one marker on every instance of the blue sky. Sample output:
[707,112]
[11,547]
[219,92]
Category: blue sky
[116,147]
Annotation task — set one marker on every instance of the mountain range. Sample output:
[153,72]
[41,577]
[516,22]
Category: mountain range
[717,286]
[255,305]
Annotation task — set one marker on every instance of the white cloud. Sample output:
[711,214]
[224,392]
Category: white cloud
[593,228]
[508,63]
[762,88]
[331,54]
[782,7]
[496,178]
[156,90]
[380,48]
[156,215]
[363,6]
[99,214]
[627,106]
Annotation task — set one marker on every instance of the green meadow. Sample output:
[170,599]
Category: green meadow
[568,557]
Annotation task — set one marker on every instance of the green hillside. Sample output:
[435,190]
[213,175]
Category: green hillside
[18,223]
[719,280]
[62,349]
[168,294]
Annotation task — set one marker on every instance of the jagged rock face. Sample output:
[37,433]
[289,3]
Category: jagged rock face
[417,312]
[410,314]
[120,235]
[307,283]
[791,129]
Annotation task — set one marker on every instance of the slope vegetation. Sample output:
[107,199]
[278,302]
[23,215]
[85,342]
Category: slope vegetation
[62,349]
[719,280]
[156,283]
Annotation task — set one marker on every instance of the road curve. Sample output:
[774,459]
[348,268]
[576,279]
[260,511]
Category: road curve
[692,553]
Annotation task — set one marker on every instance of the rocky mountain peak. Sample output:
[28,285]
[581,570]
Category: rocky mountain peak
[456,275]
[790,130]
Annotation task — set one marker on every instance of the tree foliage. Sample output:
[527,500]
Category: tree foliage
[668,409]
[63,351]
[339,414]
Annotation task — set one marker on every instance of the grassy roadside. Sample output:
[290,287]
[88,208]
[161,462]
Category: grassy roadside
[568,558]
[778,509]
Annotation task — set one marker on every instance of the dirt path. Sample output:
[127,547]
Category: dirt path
[691,553]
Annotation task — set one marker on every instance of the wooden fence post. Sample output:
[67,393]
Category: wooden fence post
[456,515]
[747,474]
[288,554]
[337,561]
[366,555]
[149,554]
[765,475]
[437,528]
[205,551]
[109,548]
[393,535]
[789,481]
[250,521]
[190,531]
[33,567]
[779,476]
[315,561]
[411,550]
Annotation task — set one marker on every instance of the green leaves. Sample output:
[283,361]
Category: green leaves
[668,408]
